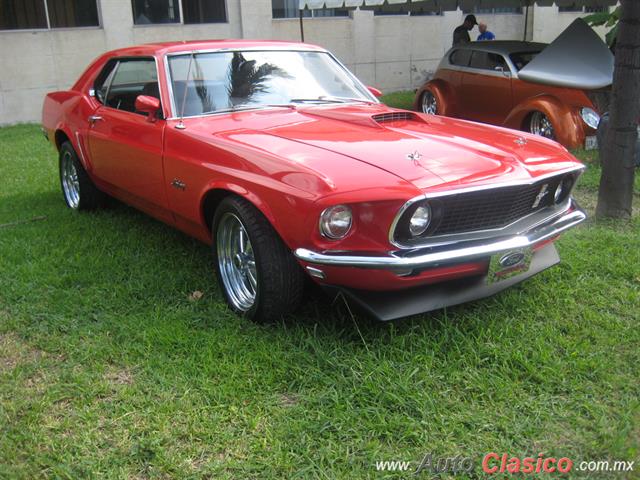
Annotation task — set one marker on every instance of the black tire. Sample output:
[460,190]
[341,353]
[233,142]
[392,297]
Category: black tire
[78,190]
[278,279]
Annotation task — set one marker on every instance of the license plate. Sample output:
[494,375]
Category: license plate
[508,264]
[591,143]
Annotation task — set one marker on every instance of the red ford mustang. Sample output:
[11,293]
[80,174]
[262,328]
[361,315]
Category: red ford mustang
[287,165]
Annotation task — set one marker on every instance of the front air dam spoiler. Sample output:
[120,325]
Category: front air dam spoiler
[386,306]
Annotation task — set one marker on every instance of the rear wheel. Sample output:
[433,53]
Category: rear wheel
[258,274]
[429,103]
[78,190]
[539,124]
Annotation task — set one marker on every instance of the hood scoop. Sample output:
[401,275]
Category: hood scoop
[363,116]
[400,116]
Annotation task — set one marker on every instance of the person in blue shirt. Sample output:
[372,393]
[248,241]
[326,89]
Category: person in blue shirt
[484,33]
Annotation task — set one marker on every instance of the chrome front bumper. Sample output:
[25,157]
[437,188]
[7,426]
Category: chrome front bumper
[429,257]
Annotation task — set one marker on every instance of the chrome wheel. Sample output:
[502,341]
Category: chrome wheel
[70,183]
[541,125]
[236,262]
[429,103]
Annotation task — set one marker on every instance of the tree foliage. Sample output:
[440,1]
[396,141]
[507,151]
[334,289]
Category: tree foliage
[609,20]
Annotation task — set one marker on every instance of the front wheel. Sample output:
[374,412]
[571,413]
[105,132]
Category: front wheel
[539,124]
[429,103]
[258,274]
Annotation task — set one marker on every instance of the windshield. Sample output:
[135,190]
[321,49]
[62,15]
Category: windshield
[521,59]
[223,81]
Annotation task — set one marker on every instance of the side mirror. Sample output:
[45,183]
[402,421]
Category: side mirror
[376,93]
[505,72]
[148,105]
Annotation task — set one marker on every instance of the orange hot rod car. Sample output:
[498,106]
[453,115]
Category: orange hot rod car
[538,88]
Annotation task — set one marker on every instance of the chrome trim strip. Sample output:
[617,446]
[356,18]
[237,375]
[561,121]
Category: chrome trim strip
[454,254]
[444,193]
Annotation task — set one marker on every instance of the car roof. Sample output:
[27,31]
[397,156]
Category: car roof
[505,47]
[163,48]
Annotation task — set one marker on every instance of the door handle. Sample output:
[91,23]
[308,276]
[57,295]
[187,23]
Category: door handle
[94,118]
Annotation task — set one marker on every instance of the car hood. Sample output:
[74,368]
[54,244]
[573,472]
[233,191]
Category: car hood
[578,58]
[430,152]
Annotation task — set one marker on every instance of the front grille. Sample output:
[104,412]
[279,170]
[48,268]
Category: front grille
[490,209]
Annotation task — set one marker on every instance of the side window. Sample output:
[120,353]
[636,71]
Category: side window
[460,57]
[132,77]
[488,61]
[103,80]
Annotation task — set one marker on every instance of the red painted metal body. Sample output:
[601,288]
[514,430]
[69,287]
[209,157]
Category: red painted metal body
[291,163]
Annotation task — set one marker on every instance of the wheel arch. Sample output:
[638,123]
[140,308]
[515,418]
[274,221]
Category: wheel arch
[60,136]
[444,95]
[566,127]
[215,193]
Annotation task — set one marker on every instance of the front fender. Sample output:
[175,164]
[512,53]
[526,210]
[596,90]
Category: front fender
[444,93]
[565,121]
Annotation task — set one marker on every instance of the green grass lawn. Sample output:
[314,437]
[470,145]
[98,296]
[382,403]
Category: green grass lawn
[109,368]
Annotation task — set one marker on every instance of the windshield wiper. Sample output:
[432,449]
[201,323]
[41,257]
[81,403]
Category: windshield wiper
[241,108]
[328,99]
[232,109]
[317,100]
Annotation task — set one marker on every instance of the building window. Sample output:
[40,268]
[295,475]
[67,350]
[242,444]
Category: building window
[204,11]
[495,11]
[32,14]
[289,9]
[72,13]
[382,11]
[596,9]
[146,12]
[573,8]
[422,12]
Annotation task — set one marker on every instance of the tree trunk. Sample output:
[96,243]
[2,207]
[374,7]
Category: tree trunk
[618,153]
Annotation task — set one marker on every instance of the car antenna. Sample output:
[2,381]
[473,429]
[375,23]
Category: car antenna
[180,125]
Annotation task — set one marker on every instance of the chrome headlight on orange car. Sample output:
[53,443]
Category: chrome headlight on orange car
[335,222]
[590,117]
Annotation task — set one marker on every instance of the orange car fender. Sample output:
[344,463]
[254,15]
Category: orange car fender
[445,96]
[566,125]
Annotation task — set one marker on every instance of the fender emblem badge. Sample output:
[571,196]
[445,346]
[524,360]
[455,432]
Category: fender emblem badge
[520,141]
[178,184]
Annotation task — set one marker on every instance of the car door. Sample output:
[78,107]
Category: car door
[126,145]
[454,74]
[487,94]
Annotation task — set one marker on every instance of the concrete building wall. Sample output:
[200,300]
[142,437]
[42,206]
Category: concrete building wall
[550,22]
[389,52]
[40,61]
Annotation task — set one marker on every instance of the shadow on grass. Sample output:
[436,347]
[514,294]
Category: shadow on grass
[121,261]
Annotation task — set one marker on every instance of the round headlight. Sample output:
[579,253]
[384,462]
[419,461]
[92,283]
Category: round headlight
[590,117]
[335,222]
[419,221]
[563,188]
[558,193]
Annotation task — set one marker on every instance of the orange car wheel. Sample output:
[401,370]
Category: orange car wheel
[429,103]
[540,124]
